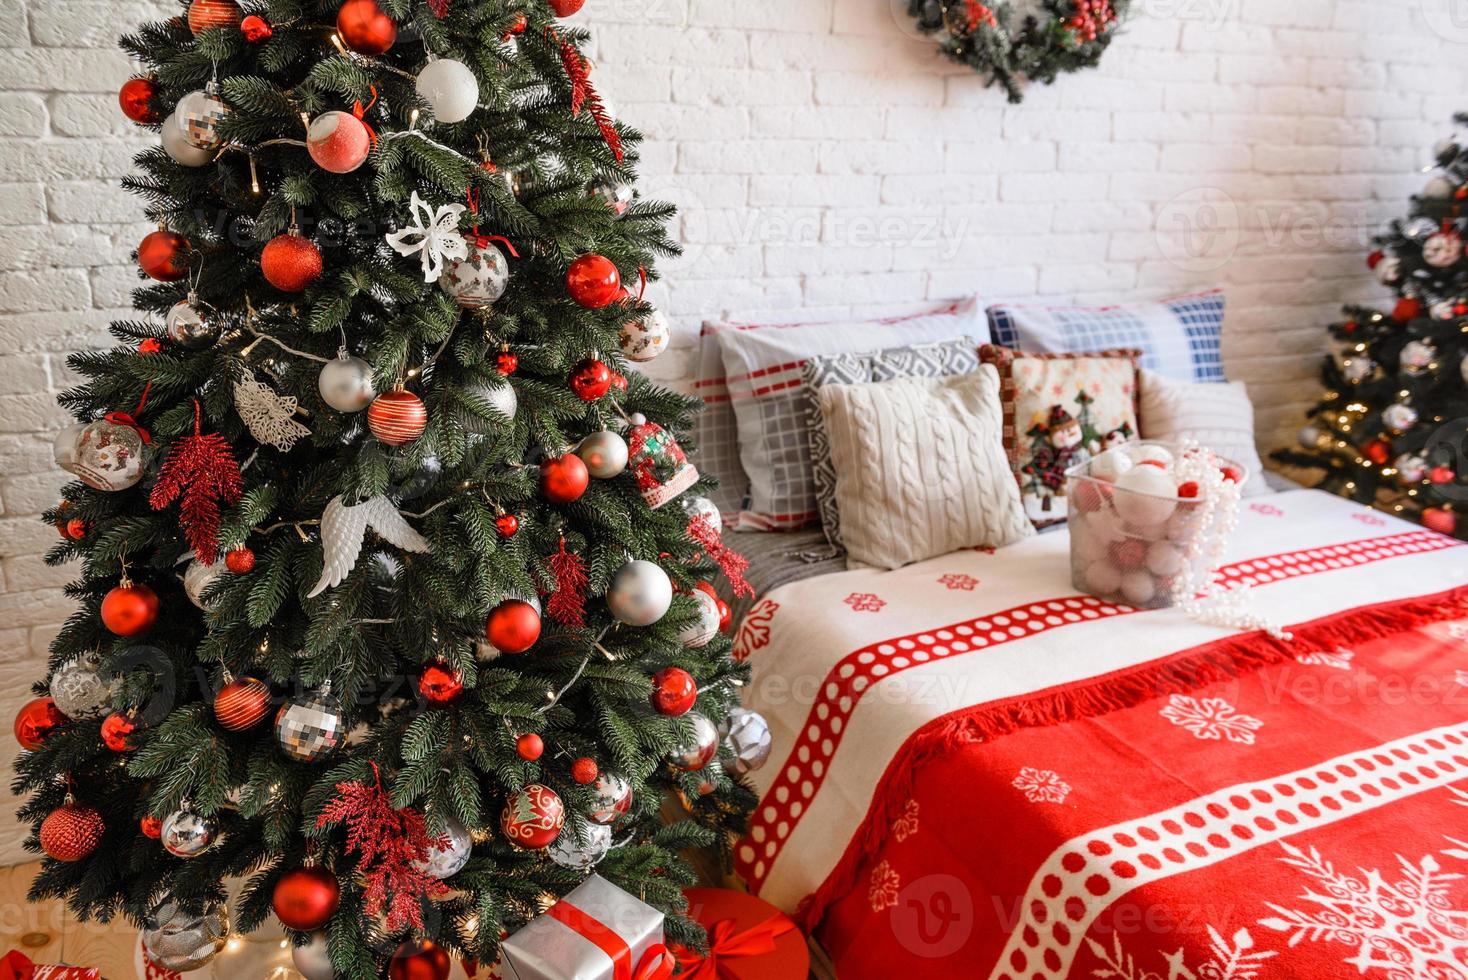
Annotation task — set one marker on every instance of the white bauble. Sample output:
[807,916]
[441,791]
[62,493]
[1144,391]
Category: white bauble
[346,383]
[478,279]
[79,690]
[605,454]
[180,149]
[197,578]
[1389,270]
[1163,560]
[501,397]
[1399,417]
[1110,465]
[640,594]
[568,852]
[1417,356]
[1138,587]
[1149,452]
[449,859]
[313,960]
[1443,309]
[642,340]
[450,88]
[1184,524]
[702,630]
[1102,577]
[1411,468]
[1442,250]
[1086,545]
[1358,368]
[1311,437]
[1145,496]
[1439,188]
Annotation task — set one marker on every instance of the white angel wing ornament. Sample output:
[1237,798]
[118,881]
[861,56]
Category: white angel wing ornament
[343,529]
[434,236]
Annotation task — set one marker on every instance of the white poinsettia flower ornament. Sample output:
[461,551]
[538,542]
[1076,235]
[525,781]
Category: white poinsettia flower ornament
[434,236]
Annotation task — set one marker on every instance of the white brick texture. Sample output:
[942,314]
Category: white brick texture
[825,159]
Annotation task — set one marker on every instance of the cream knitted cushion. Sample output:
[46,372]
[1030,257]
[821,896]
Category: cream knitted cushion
[920,468]
[1219,416]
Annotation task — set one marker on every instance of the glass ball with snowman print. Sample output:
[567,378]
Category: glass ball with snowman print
[108,454]
[705,626]
[1442,249]
[450,852]
[644,338]
[1417,356]
[477,280]
[581,855]
[1399,417]
[78,689]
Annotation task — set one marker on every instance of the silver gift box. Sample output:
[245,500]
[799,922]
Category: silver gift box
[549,949]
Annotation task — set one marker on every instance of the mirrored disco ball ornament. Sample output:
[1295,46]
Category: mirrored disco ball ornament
[478,279]
[569,852]
[310,727]
[699,750]
[177,146]
[105,454]
[451,854]
[188,327]
[614,193]
[179,940]
[748,739]
[198,116]
[187,834]
[79,690]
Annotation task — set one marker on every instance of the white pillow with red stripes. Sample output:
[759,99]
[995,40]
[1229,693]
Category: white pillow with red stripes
[754,434]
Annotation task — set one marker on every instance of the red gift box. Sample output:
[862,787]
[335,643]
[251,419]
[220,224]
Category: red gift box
[15,965]
[748,939]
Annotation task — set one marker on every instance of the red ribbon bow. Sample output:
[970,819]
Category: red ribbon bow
[726,944]
[15,965]
[360,111]
[656,963]
[123,418]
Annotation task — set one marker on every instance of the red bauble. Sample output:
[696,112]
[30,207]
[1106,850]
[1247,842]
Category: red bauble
[338,141]
[1378,451]
[291,263]
[529,746]
[365,28]
[1442,474]
[1232,474]
[164,256]
[507,524]
[419,959]
[398,417]
[242,703]
[593,281]
[255,29]
[151,826]
[71,832]
[674,691]
[240,560]
[584,770]
[1185,491]
[1408,308]
[517,26]
[726,615]
[207,14]
[563,479]
[619,381]
[565,8]
[513,626]
[36,720]
[1374,259]
[150,345]
[441,684]
[590,379]
[76,529]
[136,98]
[533,817]
[130,609]
[306,898]
[117,732]
[1440,520]
[505,362]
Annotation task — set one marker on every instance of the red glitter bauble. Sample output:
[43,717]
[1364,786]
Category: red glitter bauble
[533,817]
[1442,474]
[130,609]
[590,379]
[674,691]
[306,898]
[291,263]
[164,255]
[1408,308]
[505,362]
[256,29]
[584,770]
[207,14]
[365,28]
[441,684]
[419,959]
[507,524]
[71,832]
[36,720]
[240,560]
[151,826]
[593,281]
[398,417]
[338,142]
[530,746]
[565,8]
[117,732]
[136,98]
[1378,451]
[564,479]
[513,626]
[242,703]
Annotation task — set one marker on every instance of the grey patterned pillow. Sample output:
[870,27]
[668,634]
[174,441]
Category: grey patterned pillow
[938,360]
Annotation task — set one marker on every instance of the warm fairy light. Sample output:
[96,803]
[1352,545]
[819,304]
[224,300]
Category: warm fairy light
[234,944]
[336,39]
[413,119]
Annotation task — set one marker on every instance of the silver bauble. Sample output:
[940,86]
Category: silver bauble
[197,578]
[183,941]
[188,328]
[640,594]
[180,149]
[568,852]
[187,834]
[702,630]
[478,279]
[699,750]
[1399,417]
[1439,188]
[1411,468]
[346,383]
[500,396]
[313,960]
[450,88]
[604,453]
[614,193]
[1358,368]
[696,507]
[748,739]
[310,727]
[485,651]
[448,860]
[1419,229]
[1463,368]
[613,799]
[1417,356]
[1311,437]
[105,455]
[79,690]
[197,117]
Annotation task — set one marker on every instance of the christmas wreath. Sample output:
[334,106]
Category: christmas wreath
[1065,35]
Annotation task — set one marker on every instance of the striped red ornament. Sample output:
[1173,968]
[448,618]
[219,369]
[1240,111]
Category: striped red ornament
[205,14]
[242,703]
[398,417]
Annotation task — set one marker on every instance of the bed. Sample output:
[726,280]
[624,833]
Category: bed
[981,773]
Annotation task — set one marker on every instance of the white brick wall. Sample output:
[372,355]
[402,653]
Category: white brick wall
[825,159]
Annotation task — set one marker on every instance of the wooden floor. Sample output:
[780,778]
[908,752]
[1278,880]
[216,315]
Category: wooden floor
[48,934]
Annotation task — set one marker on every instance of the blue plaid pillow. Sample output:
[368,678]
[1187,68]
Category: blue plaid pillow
[1179,338]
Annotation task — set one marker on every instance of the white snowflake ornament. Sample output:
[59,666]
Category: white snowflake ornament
[434,237]
[269,416]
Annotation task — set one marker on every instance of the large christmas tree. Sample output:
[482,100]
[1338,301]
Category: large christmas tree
[1392,427]
[394,579]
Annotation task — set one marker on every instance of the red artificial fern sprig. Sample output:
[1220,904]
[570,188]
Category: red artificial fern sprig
[701,530]
[201,469]
[567,604]
[583,94]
